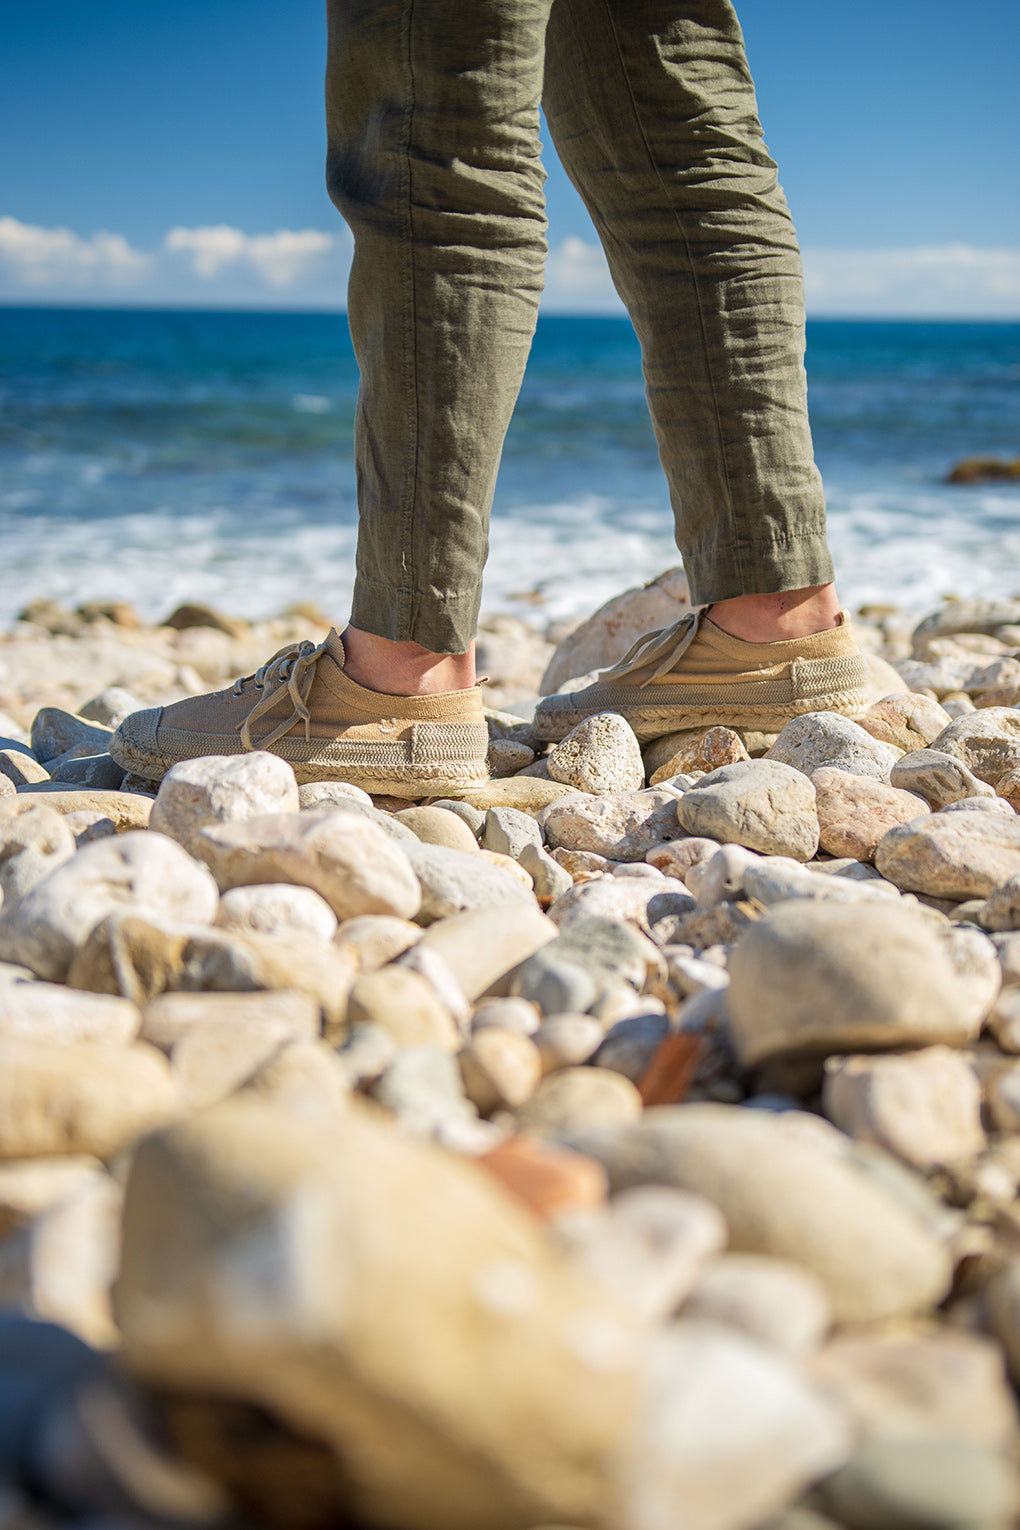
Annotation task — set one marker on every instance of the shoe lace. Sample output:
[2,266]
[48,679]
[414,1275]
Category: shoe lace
[661,649]
[293,669]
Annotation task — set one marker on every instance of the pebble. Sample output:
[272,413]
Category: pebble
[929,1484]
[375,939]
[855,812]
[80,1096]
[763,805]
[821,739]
[924,1106]
[405,1004]
[775,879]
[579,1100]
[937,777]
[606,635]
[453,882]
[125,809]
[510,832]
[171,1017]
[1008,789]
[51,1012]
[907,722]
[214,1059]
[21,769]
[55,731]
[873,1256]
[681,856]
[274,908]
[472,816]
[506,756]
[600,755]
[549,1180]
[649,1246]
[527,793]
[33,842]
[110,707]
[501,1069]
[987,742]
[317,794]
[355,867]
[435,826]
[623,827]
[1001,909]
[820,978]
[779,1303]
[549,879]
[567,1041]
[99,771]
[515,1015]
[145,872]
[702,752]
[480,946]
[222,789]
[630,1045]
[953,855]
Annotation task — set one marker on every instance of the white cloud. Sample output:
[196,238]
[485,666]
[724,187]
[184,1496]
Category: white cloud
[36,257]
[308,267]
[283,259]
[930,280]
[577,277]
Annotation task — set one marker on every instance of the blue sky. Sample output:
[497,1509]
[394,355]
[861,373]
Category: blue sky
[173,153]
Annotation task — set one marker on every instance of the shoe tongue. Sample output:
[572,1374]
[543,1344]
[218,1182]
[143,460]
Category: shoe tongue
[335,648]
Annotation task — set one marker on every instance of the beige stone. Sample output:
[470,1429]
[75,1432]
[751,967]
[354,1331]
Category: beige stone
[20,768]
[765,805]
[438,826]
[500,1069]
[305,1078]
[939,778]
[406,1006]
[375,939]
[952,855]
[80,1097]
[1008,788]
[50,1012]
[906,721]
[172,1017]
[388,1284]
[623,827]
[824,978]
[222,789]
[127,810]
[276,908]
[529,794]
[580,1099]
[855,812]
[567,1041]
[60,1266]
[923,1106]
[145,872]
[702,752]
[820,739]
[987,742]
[772,1300]
[30,1186]
[481,945]
[600,755]
[789,1193]
[346,859]
[214,1059]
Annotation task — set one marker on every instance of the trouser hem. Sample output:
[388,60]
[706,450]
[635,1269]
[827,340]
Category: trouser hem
[436,620]
[759,568]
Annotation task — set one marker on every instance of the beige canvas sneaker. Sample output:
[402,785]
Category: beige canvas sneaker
[302,706]
[695,675]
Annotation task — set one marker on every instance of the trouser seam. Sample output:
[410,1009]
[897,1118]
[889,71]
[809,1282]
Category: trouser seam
[678,221]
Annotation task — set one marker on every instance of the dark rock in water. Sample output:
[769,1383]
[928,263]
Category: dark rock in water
[984,470]
[193,614]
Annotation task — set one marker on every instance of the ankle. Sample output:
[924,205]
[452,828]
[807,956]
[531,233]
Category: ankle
[783,615]
[404,669]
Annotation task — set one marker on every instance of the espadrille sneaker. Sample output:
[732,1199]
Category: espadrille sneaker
[302,706]
[695,675]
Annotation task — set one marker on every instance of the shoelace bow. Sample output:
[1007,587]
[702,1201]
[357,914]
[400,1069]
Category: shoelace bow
[294,668]
[662,649]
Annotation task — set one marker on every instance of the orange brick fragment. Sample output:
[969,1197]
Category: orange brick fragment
[548,1179]
[670,1073]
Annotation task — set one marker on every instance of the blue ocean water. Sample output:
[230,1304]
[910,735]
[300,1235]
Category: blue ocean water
[162,456]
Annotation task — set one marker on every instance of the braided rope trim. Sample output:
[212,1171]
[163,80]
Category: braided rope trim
[648,722]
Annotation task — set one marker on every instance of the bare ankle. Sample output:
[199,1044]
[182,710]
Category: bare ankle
[783,615]
[405,669]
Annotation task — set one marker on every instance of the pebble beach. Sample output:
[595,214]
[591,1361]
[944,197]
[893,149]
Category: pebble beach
[632,1143]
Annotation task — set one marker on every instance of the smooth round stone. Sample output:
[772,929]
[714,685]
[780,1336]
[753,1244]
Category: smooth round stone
[924,1106]
[312,794]
[501,1070]
[127,809]
[55,731]
[786,1192]
[923,1484]
[780,1303]
[1001,909]
[18,768]
[979,805]
[472,816]
[818,978]
[111,706]
[822,739]
[556,984]
[274,908]
[480,946]
[435,826]
[957,855]
[376,939]
[549,1180]
[601,755]
[33,842]
[631,1044]
[51,1012]
[222,789]
[721,875]
[509,832]
[975,962]
[938,777]
[404,1004]
[549,879]
[567,1041]
[506,756]
[906,721]
[453,881]
[855,812]
[580,1099]
[765,805]
[515,1015]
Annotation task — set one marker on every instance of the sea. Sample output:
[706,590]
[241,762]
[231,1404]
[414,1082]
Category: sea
[157,457]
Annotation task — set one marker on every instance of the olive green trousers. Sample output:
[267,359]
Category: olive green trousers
[434,161]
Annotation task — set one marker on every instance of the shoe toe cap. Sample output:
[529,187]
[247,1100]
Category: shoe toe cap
[137,730]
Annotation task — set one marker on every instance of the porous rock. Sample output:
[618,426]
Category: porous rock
[622,827]
[951,855]
[923,1106]
[905,721]
[601,755]
[855,812]
[820,739]
[222,789]
[938,777]
[453,881]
